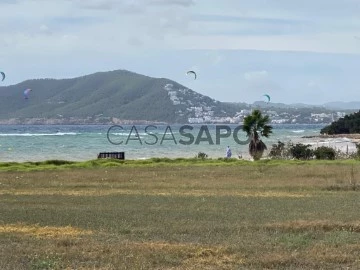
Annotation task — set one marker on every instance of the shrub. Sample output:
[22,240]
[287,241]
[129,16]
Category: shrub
[201,155]
[279,151]
[325,152]
[301,151]
[57,162]
[357,150]
[343,155]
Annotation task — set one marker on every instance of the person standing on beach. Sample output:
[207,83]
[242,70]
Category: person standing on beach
[228,152]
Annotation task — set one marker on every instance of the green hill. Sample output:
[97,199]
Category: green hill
[346,125]
[102,96]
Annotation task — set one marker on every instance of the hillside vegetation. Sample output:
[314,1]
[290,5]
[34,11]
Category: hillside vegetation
[121,94]
[346,125]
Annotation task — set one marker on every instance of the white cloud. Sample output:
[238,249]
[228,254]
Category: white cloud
[130,5]
[312,84]
[135,41]
[45,29]
[322,43]
[184,3]
[256,75]
[215,58]
[96,4]
[228,42]
[186,24]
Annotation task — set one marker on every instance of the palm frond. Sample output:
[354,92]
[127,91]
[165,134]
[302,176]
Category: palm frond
[255,125]
[267,130]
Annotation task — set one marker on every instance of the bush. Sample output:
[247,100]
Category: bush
[201,155]
[279,151]
[357,154]
[55,162]
[325,152]
[341,155]
[301,151]
[304,152]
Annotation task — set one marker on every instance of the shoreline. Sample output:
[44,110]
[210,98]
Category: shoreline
[352,138]
[325,136]
[81,144]
[118,121]
[346,143]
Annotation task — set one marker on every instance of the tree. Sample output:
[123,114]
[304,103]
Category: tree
[346,125]
[256,125]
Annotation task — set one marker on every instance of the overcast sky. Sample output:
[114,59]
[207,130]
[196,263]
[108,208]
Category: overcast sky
[295,51]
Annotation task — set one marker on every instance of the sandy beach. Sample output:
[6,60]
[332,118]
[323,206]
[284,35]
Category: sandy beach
[350,136]
[342,142]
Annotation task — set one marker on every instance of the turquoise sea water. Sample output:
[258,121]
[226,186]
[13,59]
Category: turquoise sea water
[84,142]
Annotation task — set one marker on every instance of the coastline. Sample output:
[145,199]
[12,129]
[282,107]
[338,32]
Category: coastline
[346,143]
[82,142]
[110,120]
[353,136]
[77,121]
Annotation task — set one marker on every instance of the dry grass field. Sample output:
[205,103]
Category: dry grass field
[181,215]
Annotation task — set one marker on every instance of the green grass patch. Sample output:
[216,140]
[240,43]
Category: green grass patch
[98,163]
[179,214]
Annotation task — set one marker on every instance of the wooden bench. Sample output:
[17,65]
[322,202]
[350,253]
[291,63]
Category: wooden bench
[115,155]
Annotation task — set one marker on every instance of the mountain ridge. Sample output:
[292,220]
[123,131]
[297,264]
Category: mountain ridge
[118,94]
[121,96]
[340,105]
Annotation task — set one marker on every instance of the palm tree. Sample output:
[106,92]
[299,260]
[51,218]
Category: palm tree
[255,125]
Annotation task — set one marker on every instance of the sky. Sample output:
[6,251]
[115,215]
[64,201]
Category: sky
[296,51]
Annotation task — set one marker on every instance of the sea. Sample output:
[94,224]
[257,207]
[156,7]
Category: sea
[21,143]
